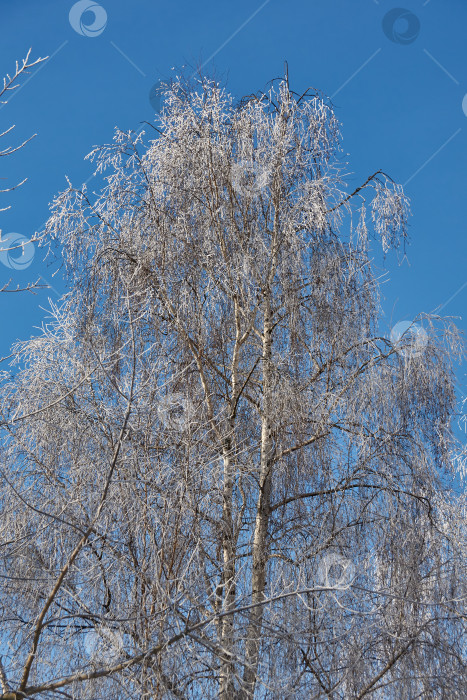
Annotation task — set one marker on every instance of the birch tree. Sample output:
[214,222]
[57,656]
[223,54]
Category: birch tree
[221,478]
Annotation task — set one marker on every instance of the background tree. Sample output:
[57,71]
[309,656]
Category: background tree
[220,479]
[10,83]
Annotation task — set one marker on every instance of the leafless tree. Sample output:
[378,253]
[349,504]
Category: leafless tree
[11,83]
[220,476]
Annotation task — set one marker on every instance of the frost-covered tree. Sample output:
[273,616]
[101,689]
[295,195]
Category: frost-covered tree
[11,83]
[220,478]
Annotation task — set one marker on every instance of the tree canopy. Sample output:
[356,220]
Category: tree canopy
[220,478]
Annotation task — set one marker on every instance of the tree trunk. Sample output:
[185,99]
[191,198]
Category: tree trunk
[260,545]
[226,689]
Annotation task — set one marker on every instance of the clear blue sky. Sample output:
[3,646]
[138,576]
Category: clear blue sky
[399,95]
